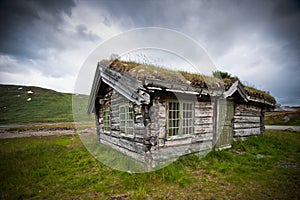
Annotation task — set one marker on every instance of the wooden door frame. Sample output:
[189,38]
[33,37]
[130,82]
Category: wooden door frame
[216,123]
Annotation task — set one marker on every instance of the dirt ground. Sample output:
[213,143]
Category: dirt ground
[275,127]
[33,133]
[27,131]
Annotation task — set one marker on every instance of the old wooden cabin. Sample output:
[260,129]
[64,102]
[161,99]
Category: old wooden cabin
[154,115]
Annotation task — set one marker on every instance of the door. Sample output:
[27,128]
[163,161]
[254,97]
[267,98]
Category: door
[224,124]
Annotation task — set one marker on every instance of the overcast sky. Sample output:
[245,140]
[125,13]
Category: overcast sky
[44,43]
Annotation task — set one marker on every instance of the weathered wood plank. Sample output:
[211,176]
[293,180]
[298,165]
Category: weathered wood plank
[203,105]
[115,120]
[115,133]
[203,129]
[130,145]
[178,141]
[246,132]
[169,152]
[247,111]
[246,125]
[203,120]
[203,137]
[247,107]
[114,113]
[202,113]
[115,127]
[246,119]
[138,156]
[139,126]
[247,114]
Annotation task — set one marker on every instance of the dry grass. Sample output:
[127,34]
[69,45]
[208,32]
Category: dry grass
[260,94]
[291,118]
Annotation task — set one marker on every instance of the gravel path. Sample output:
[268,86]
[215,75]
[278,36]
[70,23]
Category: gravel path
[5,131]
[4,135]
[32,133]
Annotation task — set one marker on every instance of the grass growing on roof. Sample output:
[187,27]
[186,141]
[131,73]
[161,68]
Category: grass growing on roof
[217,80]
[143,71]
[202,81]
[260,94]
[59,167]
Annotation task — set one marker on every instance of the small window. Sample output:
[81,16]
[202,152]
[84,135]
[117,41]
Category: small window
[106,119]
[180,119]
[173,118]
[126,119]
[187,118]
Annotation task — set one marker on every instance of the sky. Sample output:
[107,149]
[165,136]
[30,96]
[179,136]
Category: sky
[45,43]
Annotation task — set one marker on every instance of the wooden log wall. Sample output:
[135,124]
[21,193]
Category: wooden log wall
[172,148]
[132,143]
[247,120]
[158,121]
[103,103]
[203,119]
[152,137]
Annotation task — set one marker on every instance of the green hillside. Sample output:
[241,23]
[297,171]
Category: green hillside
[28,104]
[291,118]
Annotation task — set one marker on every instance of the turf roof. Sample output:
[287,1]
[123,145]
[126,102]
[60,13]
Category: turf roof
[146,71]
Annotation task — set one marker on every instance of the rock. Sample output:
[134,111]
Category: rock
[286,119]
[260,156]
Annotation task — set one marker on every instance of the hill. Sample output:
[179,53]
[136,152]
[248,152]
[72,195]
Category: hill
[291,118]
[28,104]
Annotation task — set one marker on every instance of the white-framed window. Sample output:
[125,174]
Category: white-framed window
[180,118]
[106,119]
[126,119]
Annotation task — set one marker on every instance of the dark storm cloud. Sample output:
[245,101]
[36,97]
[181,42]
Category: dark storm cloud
[269,28]
[27,26]
[286,8]
[83,33]
[285,22]
[241,34]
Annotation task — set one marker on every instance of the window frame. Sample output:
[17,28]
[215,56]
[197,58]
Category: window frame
[126,122]
[106,119]
[182,118]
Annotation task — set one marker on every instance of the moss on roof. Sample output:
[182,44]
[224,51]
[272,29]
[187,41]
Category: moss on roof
[202,81]
[259,94]
[143,71]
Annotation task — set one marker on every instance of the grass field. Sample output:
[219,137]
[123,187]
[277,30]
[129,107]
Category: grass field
[59,167]
[264,167]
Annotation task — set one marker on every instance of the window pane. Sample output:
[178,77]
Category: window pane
[173,118]
[106,118]
[126,119]
[187,118]
[180,118]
